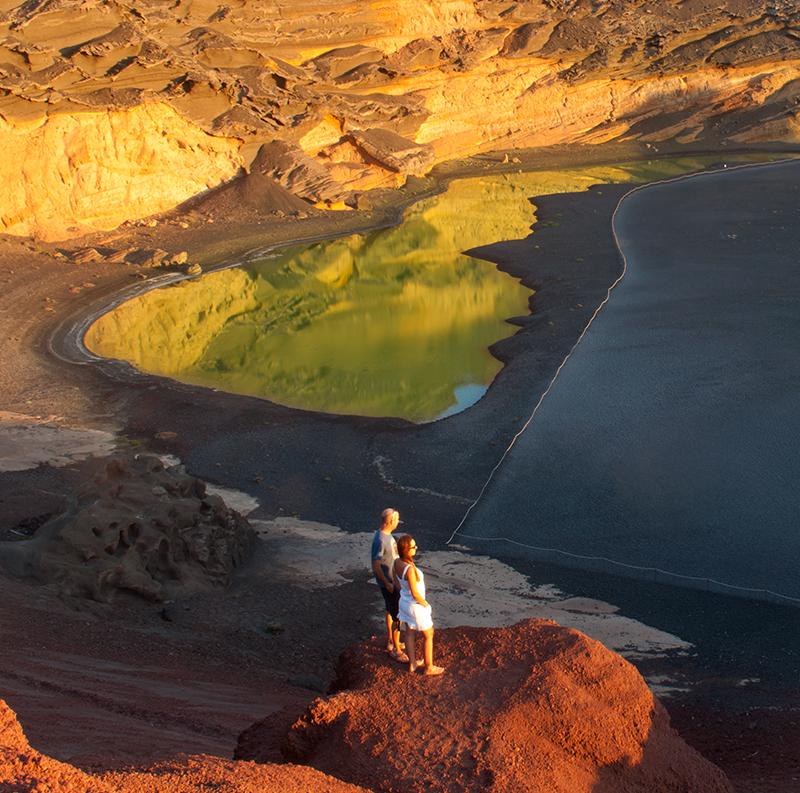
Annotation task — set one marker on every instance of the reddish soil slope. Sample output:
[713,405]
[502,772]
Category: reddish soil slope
[22,768]
[534,707]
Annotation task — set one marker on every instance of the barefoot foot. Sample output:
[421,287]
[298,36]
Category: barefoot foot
[434,670]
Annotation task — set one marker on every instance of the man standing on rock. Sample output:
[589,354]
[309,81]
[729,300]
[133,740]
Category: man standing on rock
[384,552]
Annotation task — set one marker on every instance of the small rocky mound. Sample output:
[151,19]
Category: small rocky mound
[534,707]
[22,768]
[139,527]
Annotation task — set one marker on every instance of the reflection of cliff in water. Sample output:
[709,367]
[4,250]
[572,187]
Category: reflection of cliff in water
[390,323]
[166,331]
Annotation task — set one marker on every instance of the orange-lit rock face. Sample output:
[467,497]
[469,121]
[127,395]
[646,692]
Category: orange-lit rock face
[72,173]
[329,78]
[533,707]
[24,768]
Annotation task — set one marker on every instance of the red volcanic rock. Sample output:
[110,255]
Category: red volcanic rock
[22,768]
[534,707]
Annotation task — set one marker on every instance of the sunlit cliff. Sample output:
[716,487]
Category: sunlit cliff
[348,96]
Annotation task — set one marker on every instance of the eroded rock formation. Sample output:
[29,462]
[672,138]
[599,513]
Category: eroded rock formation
[140,528]
[142,106]
[533,707]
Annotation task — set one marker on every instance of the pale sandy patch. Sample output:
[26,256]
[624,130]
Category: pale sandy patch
[235,499]
[242,502]
[28,441]
[314,555]
[464,589]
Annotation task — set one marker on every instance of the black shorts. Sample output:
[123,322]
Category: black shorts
[392,600]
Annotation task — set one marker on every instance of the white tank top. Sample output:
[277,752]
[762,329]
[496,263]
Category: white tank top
[405,589]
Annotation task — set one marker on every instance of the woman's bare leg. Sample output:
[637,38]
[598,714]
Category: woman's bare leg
[411,650]
[430,667]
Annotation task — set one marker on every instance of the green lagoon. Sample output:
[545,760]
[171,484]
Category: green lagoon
[395,322]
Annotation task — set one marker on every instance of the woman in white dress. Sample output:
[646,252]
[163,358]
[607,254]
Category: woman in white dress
[415,611]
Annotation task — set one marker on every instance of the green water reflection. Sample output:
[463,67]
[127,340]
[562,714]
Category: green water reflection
[393,323]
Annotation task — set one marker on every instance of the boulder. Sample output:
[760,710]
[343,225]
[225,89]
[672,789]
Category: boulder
[393,151]
[534,707]
[147,257]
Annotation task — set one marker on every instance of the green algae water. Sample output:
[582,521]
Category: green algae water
[395,322]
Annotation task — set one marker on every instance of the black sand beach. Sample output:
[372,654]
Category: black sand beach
[668,438]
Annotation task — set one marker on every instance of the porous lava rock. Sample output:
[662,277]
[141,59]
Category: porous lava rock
[533,707]
[23,768]
[140,527]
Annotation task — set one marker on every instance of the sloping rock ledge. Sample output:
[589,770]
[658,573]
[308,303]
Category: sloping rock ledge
[534,707]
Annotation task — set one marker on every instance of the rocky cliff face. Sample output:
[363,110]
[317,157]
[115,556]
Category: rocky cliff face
[69,173]
[119,111]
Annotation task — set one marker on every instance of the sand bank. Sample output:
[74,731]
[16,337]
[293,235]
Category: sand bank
[464,588]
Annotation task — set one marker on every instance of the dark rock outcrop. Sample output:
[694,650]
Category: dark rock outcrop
[141,528]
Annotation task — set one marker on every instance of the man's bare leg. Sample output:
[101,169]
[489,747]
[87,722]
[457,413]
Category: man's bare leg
[393,645]
[398,647]
[390,644]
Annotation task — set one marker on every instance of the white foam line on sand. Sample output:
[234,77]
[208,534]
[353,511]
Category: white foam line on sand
[235,499]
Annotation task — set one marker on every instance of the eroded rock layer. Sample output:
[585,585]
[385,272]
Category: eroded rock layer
[532,707]
[351,96]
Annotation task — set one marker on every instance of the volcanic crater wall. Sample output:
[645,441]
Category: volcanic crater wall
[113,111]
